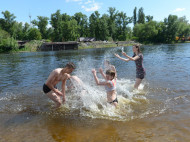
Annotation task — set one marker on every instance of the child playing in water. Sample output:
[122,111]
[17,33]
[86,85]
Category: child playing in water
[108,66]
[110,86]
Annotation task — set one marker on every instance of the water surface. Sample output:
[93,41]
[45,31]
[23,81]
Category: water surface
[158,111]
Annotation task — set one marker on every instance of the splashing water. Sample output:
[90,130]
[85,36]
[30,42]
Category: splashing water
[91,101]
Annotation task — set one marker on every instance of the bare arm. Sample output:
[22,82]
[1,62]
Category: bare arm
[126,60]
[51,82]
[96,78]
[102,73]
[114,69]
[130,58]
[65,77]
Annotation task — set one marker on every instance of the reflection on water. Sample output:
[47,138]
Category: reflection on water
[159,110]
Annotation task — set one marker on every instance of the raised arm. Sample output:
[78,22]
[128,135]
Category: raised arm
[102,73]
[126,60]
[130,58]
[114,69]
[96,78]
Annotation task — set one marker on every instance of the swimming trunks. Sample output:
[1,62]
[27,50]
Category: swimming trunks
[114,101]
[46,89]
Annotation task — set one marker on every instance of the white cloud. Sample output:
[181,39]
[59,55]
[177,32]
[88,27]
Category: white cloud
[91,7]
[179,9]
[87,5]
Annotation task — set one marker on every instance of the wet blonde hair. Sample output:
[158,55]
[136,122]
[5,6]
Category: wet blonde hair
[111,73]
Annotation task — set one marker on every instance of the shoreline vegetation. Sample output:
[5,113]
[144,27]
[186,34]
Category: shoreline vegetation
[105,44]
[106,30]
[34,45]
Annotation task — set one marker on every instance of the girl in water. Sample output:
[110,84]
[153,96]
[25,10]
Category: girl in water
[138,58]
[110,86]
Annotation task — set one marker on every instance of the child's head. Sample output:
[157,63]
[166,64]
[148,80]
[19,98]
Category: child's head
[110,74]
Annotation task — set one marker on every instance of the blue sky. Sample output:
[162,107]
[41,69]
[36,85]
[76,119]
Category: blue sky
[159,9]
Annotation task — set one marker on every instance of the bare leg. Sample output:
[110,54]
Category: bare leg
[115,104]
[54,97]
[137,83]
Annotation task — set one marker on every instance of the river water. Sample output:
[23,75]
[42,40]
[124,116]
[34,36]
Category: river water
[158,111]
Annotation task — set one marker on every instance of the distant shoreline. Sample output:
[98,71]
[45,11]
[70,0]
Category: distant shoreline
[104,44]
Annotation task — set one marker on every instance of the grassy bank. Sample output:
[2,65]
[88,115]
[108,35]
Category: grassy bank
[102,44]
[31,46]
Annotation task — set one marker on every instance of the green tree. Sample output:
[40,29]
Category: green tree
[42,24]
[122,21]
[149,18]
[146,32]
[112,22]
[34,34]
[184,28]
[141,16]
[82,22]
[70,30]
[6,42]
[8,22]
[160,37]
[17,31]
[92,25]
[172,25]
[57,24]
[25,30]
[103,22]
[135,16]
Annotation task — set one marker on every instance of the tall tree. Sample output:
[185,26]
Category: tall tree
[92,25]
[42,24]
[112,22]
[57,24]
[82,23]
[149,18]
[8,22]
[135,16]
[184,28]
[104,33]
[141,16]
[17,31]
[70,30]
[172,26]
[122,21]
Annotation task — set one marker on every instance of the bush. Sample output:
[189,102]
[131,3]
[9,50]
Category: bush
[8,44]
[110,39]
[32,45]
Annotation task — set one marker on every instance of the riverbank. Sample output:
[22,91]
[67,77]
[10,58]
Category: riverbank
[104,44]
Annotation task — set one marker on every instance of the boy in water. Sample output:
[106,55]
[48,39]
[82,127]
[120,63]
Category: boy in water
[56,76]
[110,85]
